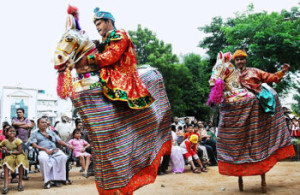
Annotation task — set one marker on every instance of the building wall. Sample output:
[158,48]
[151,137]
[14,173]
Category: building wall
[16,97]
[35,102]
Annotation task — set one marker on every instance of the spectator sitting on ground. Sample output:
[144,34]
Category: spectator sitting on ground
[189,131]
[205,158]
[176,123]
[186,122]
[52,160]
[295,128]
[209,144]
[189,150]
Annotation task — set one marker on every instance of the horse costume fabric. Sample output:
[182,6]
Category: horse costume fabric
[250,141]
[127,143]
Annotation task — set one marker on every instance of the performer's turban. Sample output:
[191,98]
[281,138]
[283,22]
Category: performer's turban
[194,139]
[239,53]
[102,15]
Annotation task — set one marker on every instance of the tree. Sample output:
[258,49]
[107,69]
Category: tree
[196,94]
[296,106]
[186,84]
[269,39]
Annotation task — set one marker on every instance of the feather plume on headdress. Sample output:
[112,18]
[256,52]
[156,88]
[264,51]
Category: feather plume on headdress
[74,12]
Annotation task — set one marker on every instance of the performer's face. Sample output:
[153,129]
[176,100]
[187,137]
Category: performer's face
[240,62]
[103,27]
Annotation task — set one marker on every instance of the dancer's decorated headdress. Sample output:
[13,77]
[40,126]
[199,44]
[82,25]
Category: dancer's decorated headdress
[239,53]
[102,15]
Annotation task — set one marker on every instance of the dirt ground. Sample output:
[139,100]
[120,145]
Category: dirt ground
[282,179]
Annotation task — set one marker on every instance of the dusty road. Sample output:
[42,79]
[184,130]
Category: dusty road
[284,178]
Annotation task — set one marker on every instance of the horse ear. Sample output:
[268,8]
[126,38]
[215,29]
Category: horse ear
[227,57]
[220,56]
[71,23]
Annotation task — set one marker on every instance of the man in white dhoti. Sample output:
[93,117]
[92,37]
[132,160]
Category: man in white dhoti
[52,160]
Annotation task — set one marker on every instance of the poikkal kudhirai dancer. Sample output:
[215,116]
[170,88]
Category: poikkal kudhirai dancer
[253,134]
[125,109]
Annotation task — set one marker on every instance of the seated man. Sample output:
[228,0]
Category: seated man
[52,160]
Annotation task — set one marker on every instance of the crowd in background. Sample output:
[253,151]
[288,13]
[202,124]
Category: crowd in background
[193,144]
[55,147]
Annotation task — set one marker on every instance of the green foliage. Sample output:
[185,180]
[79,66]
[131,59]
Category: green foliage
[296,106]
[186,83]
[269,39]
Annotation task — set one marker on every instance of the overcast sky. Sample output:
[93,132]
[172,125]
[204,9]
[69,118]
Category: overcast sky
[30,29]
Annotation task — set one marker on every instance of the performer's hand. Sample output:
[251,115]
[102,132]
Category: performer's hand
[82,150]
[285,67]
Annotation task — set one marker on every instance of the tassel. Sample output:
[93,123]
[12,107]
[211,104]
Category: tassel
[65,85]
[216,93]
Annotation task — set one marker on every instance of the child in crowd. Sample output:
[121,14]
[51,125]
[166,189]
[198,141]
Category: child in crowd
[295,128]
[205,158]
[189,131]
[15,158]
[80,145]
[189,150]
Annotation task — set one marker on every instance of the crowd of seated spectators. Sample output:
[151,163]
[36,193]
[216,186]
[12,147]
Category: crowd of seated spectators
[24,143]
[194,143]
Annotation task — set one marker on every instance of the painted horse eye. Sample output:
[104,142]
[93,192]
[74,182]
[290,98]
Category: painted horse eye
[69,39]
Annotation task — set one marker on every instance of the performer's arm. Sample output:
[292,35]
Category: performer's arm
[273,77]
[112,54]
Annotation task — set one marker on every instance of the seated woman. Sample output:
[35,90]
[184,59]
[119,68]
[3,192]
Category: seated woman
[15,158]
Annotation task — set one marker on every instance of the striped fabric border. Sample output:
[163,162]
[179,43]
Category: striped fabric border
[247,134]
[125,141]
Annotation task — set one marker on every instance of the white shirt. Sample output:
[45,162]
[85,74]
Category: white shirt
[65,130]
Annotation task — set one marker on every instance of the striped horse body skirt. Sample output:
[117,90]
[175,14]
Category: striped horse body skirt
[127,144]
[250,141]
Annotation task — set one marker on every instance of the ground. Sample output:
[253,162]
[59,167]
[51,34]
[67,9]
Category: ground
[282,179]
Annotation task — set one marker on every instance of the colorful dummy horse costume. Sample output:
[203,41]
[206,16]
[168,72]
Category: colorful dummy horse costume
[127,143]
[250,141]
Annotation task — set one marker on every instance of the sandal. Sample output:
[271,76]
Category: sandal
[204,169]
[5,190]
[85,175]
[196,171]
[20,188]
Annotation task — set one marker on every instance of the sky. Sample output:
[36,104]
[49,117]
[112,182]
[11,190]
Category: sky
[31,29]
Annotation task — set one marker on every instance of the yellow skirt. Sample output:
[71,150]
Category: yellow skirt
[15,161]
